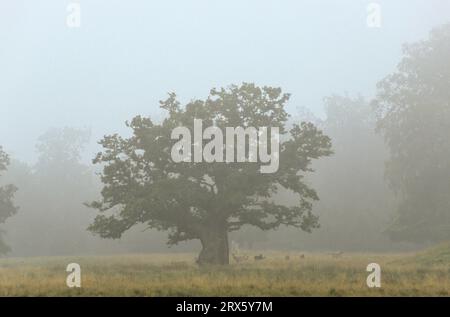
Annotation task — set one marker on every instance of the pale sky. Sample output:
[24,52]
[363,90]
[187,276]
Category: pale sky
[128,54]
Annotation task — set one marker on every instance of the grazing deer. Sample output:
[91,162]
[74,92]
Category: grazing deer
[302,256]
[238,258]
[259,257]
[287,258]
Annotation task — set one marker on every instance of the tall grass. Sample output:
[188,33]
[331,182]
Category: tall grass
[177,275]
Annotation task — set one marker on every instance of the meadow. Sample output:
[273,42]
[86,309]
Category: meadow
[279,274]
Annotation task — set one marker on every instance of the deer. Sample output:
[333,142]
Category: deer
[238,258]
[259,257]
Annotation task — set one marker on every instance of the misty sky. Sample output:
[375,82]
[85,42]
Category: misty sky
[128,54]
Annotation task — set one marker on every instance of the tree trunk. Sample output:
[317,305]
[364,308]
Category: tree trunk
[214,248]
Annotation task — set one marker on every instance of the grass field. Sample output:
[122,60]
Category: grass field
[318,274]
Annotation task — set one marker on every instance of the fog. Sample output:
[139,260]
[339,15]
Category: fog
[63,89]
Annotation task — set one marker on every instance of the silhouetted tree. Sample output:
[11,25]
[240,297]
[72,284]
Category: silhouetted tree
[413,106]
[62,183]
[7,208]
[205,201]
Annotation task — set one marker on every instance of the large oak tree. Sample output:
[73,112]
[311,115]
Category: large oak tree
[205,201]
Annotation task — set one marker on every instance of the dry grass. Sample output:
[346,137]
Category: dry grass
[177,275]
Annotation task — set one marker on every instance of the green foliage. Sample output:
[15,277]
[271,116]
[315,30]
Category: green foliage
[60,153]
[7,208]
[192,200]
[413,106]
